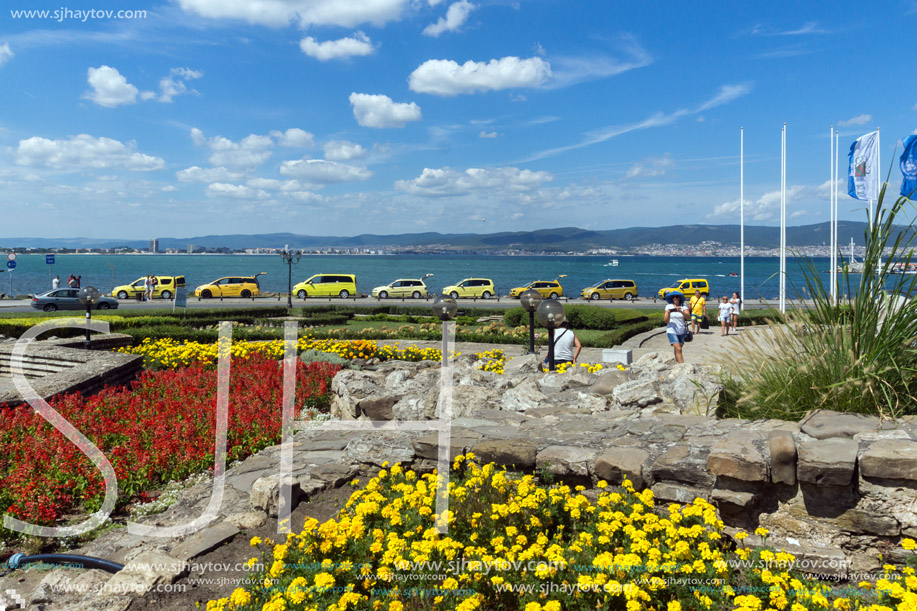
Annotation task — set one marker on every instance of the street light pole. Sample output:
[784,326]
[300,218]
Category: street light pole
[88,296]
[551,315]
[530,301]
[289,258]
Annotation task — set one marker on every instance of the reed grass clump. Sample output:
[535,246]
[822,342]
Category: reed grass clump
[856,354]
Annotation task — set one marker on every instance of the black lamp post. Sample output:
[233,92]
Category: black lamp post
[550,315]
[289,258]
[530,301]
[444,308]
[88,296]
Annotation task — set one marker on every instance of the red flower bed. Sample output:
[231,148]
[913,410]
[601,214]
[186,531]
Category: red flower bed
[161,429]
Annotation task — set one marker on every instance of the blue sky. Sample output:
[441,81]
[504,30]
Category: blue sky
[333,117]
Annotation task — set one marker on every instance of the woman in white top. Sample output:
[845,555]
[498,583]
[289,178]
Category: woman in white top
[725,315]
[566,345]
[736,303]
[675,328]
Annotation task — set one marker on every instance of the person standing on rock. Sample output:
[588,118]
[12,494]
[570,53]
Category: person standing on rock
[675,319]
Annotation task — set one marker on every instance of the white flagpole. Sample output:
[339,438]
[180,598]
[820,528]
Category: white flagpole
[742,214]
[832,267]
[837,173]
[878,178]
[783,220]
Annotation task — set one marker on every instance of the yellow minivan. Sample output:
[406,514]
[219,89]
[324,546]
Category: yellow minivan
[686,286]
[327,285]
[471,288]
[549,289]
[165,287]
[611,289]
[230,286]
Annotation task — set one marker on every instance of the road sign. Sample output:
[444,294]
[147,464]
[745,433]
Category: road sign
[49,259]
[10,256]
[11,264]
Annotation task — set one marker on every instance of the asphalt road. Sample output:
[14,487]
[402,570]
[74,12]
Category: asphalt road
[24,305]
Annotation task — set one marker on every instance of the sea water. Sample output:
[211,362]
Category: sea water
[32,275]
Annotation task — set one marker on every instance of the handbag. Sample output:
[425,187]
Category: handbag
[704,323]
[689,336]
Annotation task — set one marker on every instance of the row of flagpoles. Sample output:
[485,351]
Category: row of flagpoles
[862,183]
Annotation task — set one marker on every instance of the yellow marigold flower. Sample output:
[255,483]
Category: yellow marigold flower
[674,606]
[908,544]
[533,606]
[240,598]
[255,542]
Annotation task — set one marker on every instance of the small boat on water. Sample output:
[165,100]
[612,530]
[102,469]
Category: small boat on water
[612,263]
[852,266]
[733,275]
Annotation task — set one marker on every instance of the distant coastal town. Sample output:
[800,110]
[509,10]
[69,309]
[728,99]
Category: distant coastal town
[703,249]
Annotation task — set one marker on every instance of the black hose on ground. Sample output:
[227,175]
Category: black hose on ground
[85,562]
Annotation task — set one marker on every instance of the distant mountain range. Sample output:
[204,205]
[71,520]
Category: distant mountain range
[562,239]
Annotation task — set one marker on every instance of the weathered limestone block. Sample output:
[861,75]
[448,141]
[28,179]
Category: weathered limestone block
[636,393]
[204,541]
[782,447]
[378,408]
[614,464]
[825,424]
[607,381]
[527,363]
[380,446]
[893,459]
[146,569]
[732,497]
[566,460]
[516,453]
[683,463]
[428,445]
[665,491]
[523,397]
[270,491]
[827,462]
[737,456]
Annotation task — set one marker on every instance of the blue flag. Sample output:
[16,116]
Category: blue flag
[909,167]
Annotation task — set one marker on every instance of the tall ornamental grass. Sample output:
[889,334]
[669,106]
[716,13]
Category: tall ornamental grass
[857,355]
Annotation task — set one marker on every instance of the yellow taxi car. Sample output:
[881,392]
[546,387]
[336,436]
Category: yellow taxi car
[611,289]
[686,286]
[230,286]
[471,288]
[165,287]
[549,289]
[327,285]
[403,287]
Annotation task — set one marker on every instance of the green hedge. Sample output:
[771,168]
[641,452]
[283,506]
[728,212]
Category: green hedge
[583,317]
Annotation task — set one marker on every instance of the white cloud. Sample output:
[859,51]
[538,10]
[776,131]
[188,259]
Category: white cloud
[5,53]
[764,208]
[169,189]
[485,134]
[272,184]
[279,13]
[84,151]
[446,182]
[198,174]
[857,120]
[174,84]
[447,78]
[381,111]
[570,70]
[305,196]
[456,15]
[434,2]
[321,171]
[726,94]
[222,189]
[342,150]
[294,138]
[109,88]
[248,152]
[359,44]
[652,166]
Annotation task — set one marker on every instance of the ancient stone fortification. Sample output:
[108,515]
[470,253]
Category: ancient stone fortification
[839,487]
[836,490]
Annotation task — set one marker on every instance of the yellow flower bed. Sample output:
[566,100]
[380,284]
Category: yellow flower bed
[513,544]
[495,360]
[170,354]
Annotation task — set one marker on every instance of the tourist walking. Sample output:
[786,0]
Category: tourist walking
[55,284]
[698,310]
[675,319]
[725,315]
[736,303]
[71,281]
[148,288]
